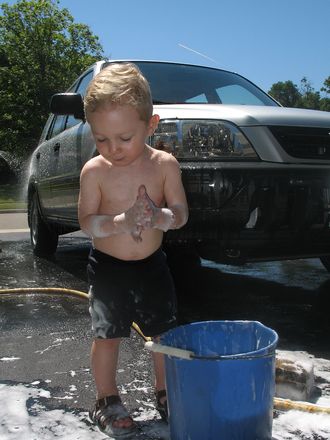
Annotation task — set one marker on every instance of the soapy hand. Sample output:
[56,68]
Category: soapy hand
[144,214]
[160,218]
[138,217]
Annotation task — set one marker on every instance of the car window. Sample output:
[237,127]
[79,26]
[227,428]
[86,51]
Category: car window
[84,83]
[81,88]
[181,83]
[57,126]
[197,99]
[236,94]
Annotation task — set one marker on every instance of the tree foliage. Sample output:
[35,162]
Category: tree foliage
[42,51]
[286,93]
[305,96]
[326,85]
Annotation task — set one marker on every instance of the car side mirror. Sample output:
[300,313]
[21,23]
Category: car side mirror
[68,104]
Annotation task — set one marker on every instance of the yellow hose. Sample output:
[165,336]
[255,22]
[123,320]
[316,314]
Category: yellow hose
[279,404]
[50,290]
[287,404]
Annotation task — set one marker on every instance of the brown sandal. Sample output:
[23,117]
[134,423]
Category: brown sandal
[162,406]
[106,411]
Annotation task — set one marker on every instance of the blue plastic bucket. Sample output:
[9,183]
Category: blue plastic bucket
[226,392]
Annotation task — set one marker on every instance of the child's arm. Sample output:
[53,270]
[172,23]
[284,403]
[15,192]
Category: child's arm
[175,215]
[175,196]
[100,226]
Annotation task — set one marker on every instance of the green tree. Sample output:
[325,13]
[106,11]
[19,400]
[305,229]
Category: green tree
[289,95]
[325,101]
[286,93]
[325,104]
[326,85]
[42,51]
[309,97]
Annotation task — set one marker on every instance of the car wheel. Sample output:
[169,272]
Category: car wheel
[326,262]
[43,239]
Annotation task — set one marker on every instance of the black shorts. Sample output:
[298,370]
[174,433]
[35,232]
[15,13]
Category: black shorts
[122,292]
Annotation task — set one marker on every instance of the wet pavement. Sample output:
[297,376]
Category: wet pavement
[45,339]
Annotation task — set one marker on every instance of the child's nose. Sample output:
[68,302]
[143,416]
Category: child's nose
[114,146]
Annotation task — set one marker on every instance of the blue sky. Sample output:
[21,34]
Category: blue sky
[264,40]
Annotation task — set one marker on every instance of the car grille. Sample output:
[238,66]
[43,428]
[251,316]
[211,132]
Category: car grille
[304,142]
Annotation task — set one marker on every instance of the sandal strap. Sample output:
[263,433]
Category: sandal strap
[107,410]
[108,400]
[160,394]
[162,406]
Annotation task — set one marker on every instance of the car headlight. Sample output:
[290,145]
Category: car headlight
[202,139]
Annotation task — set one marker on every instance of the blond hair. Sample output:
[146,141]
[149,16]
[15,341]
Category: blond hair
[122,84]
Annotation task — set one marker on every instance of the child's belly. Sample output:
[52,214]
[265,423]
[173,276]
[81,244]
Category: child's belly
[124,247]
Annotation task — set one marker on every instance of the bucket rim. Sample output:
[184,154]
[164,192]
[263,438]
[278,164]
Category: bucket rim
[264,352]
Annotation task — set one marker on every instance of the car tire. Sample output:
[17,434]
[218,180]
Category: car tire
[44,240]
[326,262]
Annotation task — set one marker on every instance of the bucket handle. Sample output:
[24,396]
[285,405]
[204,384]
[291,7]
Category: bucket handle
[190,355]
[169,351]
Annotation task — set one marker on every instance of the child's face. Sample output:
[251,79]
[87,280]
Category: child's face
[120,134]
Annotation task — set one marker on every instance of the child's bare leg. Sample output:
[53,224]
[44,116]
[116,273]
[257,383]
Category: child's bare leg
[159,365]
[161,398]
[104,359]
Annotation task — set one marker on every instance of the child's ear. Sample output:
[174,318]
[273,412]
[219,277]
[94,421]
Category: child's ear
[153,123]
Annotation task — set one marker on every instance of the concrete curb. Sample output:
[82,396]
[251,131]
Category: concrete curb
[12,211]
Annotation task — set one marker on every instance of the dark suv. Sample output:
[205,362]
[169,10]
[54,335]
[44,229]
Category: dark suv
[257,175]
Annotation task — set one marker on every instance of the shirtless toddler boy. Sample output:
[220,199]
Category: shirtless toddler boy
[130,194]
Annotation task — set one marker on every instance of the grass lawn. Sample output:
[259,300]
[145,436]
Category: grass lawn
[12,197]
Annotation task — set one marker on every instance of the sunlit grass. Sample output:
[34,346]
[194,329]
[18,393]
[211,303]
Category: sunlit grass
[12,197]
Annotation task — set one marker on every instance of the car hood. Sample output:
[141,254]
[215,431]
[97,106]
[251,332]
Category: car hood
[242,115]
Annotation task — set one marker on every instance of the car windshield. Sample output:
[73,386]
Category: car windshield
[173,83]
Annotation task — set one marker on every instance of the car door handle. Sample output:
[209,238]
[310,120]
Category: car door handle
[56,147]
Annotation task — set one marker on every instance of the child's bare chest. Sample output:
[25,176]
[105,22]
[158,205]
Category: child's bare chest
[120,188]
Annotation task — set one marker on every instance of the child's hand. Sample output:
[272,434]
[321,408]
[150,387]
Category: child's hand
[161,218]
[138,218]
[144,214]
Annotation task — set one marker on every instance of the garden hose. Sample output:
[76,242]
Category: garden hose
[279,404]
[287,404]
